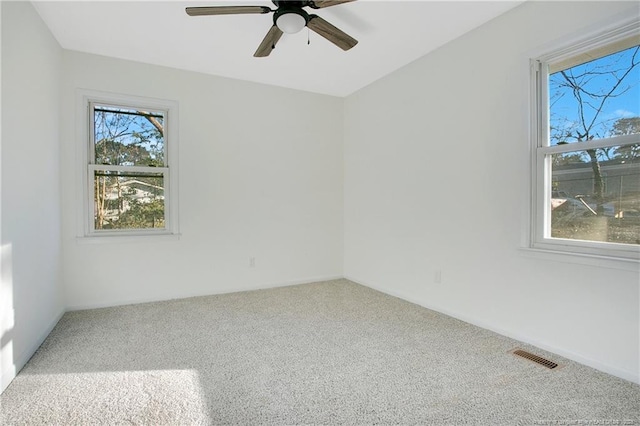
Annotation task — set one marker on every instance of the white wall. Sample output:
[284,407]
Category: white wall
[436,178]
[260,176]
[31,297]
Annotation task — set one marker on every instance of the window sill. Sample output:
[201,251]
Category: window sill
[624,264]
[129,238]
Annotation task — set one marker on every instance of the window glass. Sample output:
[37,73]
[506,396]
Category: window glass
[125,200]
[576,211]
[126,137]
[595,100]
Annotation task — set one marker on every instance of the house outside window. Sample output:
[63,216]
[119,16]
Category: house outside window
[131,168]
[586,146]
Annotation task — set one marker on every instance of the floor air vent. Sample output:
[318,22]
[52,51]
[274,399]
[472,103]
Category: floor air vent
[535,358]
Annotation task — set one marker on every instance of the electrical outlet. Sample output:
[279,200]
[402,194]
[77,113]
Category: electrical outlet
[252,262]
[437,277]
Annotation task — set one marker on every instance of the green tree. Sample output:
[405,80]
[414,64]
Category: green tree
[115,153]
[128,138]
[627,126]
[568,158]
[143,215]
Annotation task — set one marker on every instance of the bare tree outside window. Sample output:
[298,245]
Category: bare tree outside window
[595,193]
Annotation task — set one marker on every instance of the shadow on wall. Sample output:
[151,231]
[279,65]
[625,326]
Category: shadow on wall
[7,318]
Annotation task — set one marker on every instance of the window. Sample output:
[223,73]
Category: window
[131,166]
[586,158]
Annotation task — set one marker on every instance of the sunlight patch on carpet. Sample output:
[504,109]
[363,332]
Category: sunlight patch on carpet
[139,397]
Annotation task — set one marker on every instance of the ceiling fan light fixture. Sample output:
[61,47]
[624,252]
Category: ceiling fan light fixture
[291,22]
[289,17]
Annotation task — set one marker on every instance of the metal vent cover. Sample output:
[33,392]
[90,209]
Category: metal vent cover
[535,358]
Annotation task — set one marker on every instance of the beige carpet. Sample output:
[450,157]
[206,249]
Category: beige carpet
[324,353]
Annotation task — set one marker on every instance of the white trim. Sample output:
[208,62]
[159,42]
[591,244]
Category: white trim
[84,100]
[128,237]
[618,24]
[614,251]
[581,359]
[21,359]
[128,169]
[592,42]
[224,290]
[623,140]
[549,254]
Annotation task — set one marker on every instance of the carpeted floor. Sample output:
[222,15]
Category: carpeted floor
[325,353]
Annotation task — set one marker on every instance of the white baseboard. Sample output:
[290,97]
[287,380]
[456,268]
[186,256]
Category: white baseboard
[20,360]
[223,290]
[606,368]
[7,377]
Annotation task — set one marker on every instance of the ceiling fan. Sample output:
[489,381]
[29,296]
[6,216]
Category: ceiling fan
[288,17]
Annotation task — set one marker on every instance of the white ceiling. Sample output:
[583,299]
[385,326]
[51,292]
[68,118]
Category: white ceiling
[391,34]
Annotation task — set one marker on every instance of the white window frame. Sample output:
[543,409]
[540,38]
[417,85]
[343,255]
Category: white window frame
[86,101]
[563,57]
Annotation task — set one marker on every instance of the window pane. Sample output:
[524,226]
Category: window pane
[595,195]
[126,137]
[128,200]
[596,99]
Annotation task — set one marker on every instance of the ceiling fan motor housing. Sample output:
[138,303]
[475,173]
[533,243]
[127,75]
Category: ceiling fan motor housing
[290,17]
[291,3]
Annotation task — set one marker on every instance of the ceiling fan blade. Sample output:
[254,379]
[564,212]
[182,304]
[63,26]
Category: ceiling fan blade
[336,36]
[319,4]
[226,10]
[269,42]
